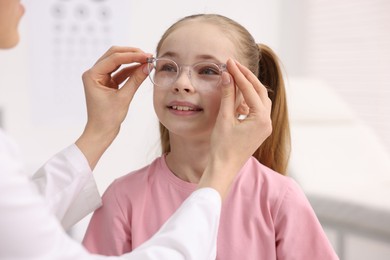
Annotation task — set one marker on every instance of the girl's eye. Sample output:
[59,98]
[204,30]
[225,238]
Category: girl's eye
[208,70]
[168,67]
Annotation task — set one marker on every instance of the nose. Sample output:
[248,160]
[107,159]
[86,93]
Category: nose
[183,82]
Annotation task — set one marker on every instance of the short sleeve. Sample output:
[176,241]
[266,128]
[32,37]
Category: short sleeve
[108,232]
[299,234]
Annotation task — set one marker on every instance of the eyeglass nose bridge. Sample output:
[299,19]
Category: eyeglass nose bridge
[181,70]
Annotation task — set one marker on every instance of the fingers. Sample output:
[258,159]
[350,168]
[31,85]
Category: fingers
[112,62]
[102,73]
[228,96]
[119,49]
[138,76]
[123,74]
[258,86]
[254,93]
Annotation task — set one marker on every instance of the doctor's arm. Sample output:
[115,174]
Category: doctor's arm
[30,231]
[66,180]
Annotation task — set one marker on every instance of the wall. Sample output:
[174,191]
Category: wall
[337,58]
[347,45]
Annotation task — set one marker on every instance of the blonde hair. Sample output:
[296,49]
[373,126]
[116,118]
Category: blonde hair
[263,62]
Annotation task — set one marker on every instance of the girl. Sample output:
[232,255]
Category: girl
[265,215]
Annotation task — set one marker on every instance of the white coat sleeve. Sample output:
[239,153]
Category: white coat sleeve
[68,186]
[29,230]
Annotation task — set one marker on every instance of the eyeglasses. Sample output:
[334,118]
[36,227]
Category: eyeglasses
[164,73]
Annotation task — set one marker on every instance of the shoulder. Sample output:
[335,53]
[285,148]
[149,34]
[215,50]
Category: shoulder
[286,198]
[254,171]
[273,186]
[293,199]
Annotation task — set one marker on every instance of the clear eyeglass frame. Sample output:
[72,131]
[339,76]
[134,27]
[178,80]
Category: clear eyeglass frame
[164,72]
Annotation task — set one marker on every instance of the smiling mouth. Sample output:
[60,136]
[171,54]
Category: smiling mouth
[184,108]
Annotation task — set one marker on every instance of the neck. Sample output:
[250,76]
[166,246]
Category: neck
[188,158]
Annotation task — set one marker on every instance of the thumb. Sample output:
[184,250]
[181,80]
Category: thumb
[228,95]
[135,80]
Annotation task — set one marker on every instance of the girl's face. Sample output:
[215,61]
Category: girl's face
[10,13]
[187,110]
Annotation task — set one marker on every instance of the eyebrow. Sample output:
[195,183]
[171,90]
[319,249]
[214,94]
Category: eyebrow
[168,54]
[173,55]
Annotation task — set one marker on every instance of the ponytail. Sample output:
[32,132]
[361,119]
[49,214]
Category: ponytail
[164,139]
[275,151]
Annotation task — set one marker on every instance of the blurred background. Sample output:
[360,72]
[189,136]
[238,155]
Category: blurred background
[336,57]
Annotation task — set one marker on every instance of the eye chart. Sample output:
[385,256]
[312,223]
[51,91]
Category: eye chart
[66,37]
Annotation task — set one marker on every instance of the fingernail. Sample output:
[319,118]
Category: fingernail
[225,78]
[145,69]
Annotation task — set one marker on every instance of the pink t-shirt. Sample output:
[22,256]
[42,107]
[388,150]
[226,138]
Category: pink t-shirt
[265,216]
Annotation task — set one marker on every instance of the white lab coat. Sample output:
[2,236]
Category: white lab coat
[29,230]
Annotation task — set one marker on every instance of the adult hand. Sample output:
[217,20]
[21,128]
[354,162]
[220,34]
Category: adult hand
[234,140]
[107,102]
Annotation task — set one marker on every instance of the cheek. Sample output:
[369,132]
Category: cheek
[213,101]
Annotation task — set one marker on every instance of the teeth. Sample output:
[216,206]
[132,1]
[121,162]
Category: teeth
[182,108]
